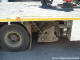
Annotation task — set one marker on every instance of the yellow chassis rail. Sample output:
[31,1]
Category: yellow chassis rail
[36,19]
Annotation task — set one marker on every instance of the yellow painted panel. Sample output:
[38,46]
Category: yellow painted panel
[37,19]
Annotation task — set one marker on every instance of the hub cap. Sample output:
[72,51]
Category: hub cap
[13,39]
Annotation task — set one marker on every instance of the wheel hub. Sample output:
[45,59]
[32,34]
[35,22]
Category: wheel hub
[13,39]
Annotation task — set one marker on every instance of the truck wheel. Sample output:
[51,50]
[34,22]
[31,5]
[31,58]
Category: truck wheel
[14,38]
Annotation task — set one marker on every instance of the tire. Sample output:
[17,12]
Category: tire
[14,38]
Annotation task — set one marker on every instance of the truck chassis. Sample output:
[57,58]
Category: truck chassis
[20,19]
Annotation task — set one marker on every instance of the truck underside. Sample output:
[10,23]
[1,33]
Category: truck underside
[51,31]
[18,36]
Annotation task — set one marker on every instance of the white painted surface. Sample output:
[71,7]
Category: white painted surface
[55,2]
[33,10]
[75,34]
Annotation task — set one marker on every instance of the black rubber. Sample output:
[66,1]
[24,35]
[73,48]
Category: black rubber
[46,3]
[24,34]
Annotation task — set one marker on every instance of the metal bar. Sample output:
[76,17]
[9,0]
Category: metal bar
[37,19]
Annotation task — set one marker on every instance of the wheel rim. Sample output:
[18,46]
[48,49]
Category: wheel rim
[13,39]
